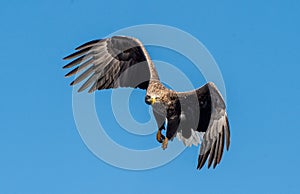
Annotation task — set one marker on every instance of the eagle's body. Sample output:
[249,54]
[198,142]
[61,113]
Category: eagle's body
[124,62]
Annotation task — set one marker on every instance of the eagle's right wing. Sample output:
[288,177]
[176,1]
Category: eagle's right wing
[203,120]
[118,61]
[217,132]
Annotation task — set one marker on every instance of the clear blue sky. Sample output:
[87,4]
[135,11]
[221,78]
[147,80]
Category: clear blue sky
[256,44]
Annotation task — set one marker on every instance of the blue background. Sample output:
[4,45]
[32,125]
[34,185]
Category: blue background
[256,44]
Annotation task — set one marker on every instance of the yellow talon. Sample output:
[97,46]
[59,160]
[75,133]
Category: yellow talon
[158,136]
[165,144]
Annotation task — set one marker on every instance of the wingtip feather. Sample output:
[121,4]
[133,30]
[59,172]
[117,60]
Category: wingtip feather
[76,54]
[88,44]
[74,71]
[212,153]
[201,160]
[227,134]
[72,83]
[221,146]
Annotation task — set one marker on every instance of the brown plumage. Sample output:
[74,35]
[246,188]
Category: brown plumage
[194,117]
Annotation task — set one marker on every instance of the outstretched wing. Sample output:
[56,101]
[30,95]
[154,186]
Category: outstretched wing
[204,120]
[118,61]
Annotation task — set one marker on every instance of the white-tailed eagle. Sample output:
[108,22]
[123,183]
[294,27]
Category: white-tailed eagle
[194,117]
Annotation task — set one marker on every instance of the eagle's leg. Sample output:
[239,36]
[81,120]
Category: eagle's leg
[159,136]
[171,130]
[165,143]
[160,120]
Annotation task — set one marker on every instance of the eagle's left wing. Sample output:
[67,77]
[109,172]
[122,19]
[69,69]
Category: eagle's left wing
[203,119]
[119,61]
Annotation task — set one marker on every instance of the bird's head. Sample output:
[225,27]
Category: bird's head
[152,99]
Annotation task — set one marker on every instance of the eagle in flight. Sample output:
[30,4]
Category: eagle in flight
[194,117]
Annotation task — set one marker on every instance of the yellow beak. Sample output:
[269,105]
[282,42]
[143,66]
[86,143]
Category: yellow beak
[153,100]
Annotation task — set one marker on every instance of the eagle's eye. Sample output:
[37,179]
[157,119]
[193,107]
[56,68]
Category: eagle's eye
[148,99]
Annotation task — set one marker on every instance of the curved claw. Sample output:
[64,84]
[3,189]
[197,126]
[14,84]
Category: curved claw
[165,144]
[160,137]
